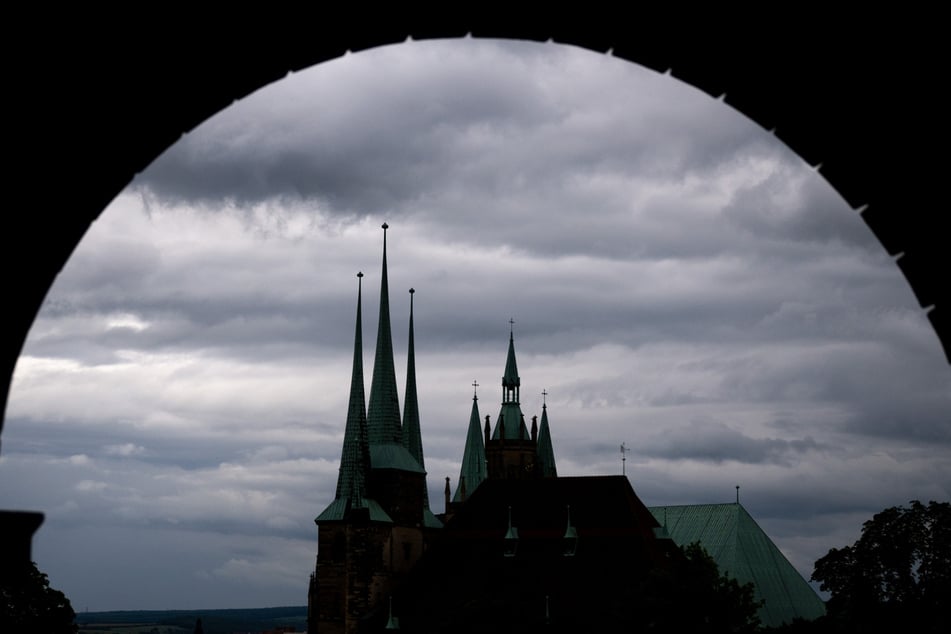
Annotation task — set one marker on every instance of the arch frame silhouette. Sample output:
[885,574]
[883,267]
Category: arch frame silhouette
[838,91]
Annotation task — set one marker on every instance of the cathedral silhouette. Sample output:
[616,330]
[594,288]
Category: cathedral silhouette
[517,548]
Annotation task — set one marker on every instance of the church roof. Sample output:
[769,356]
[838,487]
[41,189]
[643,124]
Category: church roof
[472,472]
[391,456]
[489,574]
[600,506]
[742,550]
[512,419]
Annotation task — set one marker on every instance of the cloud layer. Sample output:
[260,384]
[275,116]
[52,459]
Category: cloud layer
[679,281]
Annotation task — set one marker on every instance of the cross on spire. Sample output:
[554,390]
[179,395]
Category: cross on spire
[544,394]
[475,384]
[511,325]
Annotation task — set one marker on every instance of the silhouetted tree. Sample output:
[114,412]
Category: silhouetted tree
[29,604]
[692,596]
[896,576]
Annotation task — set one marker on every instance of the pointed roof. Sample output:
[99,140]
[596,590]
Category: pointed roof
[510,414]
[355,455]
[545,453]
[383,415]
[742,550]
[412,437]
[472,472]
[384,429]
[511,378]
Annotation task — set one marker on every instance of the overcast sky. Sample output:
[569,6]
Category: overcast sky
[680,282]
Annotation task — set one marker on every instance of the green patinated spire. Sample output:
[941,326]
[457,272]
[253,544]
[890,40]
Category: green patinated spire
[383,415]
[544,452]
[472,472]
[510,415]
[355,456]
[412,436]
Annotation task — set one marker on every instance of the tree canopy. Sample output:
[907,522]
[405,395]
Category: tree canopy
[897,575]
[29,604]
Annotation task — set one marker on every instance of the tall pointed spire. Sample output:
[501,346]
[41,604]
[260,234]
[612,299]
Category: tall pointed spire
[510,415]
[472,472]
[383,415]
[355,456]
[511,380]
[412,436]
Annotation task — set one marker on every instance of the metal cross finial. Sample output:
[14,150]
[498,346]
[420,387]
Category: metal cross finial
[544,394]
[511,325]
[475,384]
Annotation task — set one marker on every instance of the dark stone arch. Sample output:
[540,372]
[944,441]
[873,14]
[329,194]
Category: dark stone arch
[93,99]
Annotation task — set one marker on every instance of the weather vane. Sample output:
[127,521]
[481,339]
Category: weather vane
[624,451]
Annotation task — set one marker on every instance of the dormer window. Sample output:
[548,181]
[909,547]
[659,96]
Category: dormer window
[511,538]
[570,540]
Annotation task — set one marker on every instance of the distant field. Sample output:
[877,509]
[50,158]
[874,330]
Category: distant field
[125,628]
[183,621]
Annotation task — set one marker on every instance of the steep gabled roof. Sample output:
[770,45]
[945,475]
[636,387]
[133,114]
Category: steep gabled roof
[742,550]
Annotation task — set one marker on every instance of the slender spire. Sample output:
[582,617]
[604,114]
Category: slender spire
[355,458]
[383,415]
[511,380]
[544,450]
[412,436]
[472,472]
[510,415]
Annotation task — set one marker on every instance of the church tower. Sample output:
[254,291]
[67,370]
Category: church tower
[511,452]
[375,530]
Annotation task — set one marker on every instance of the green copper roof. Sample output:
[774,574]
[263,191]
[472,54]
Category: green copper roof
[472,472]
[393,456]
[383,414]
[746,553]
[545,452]
[355,457]
[511,415]
[339,511]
